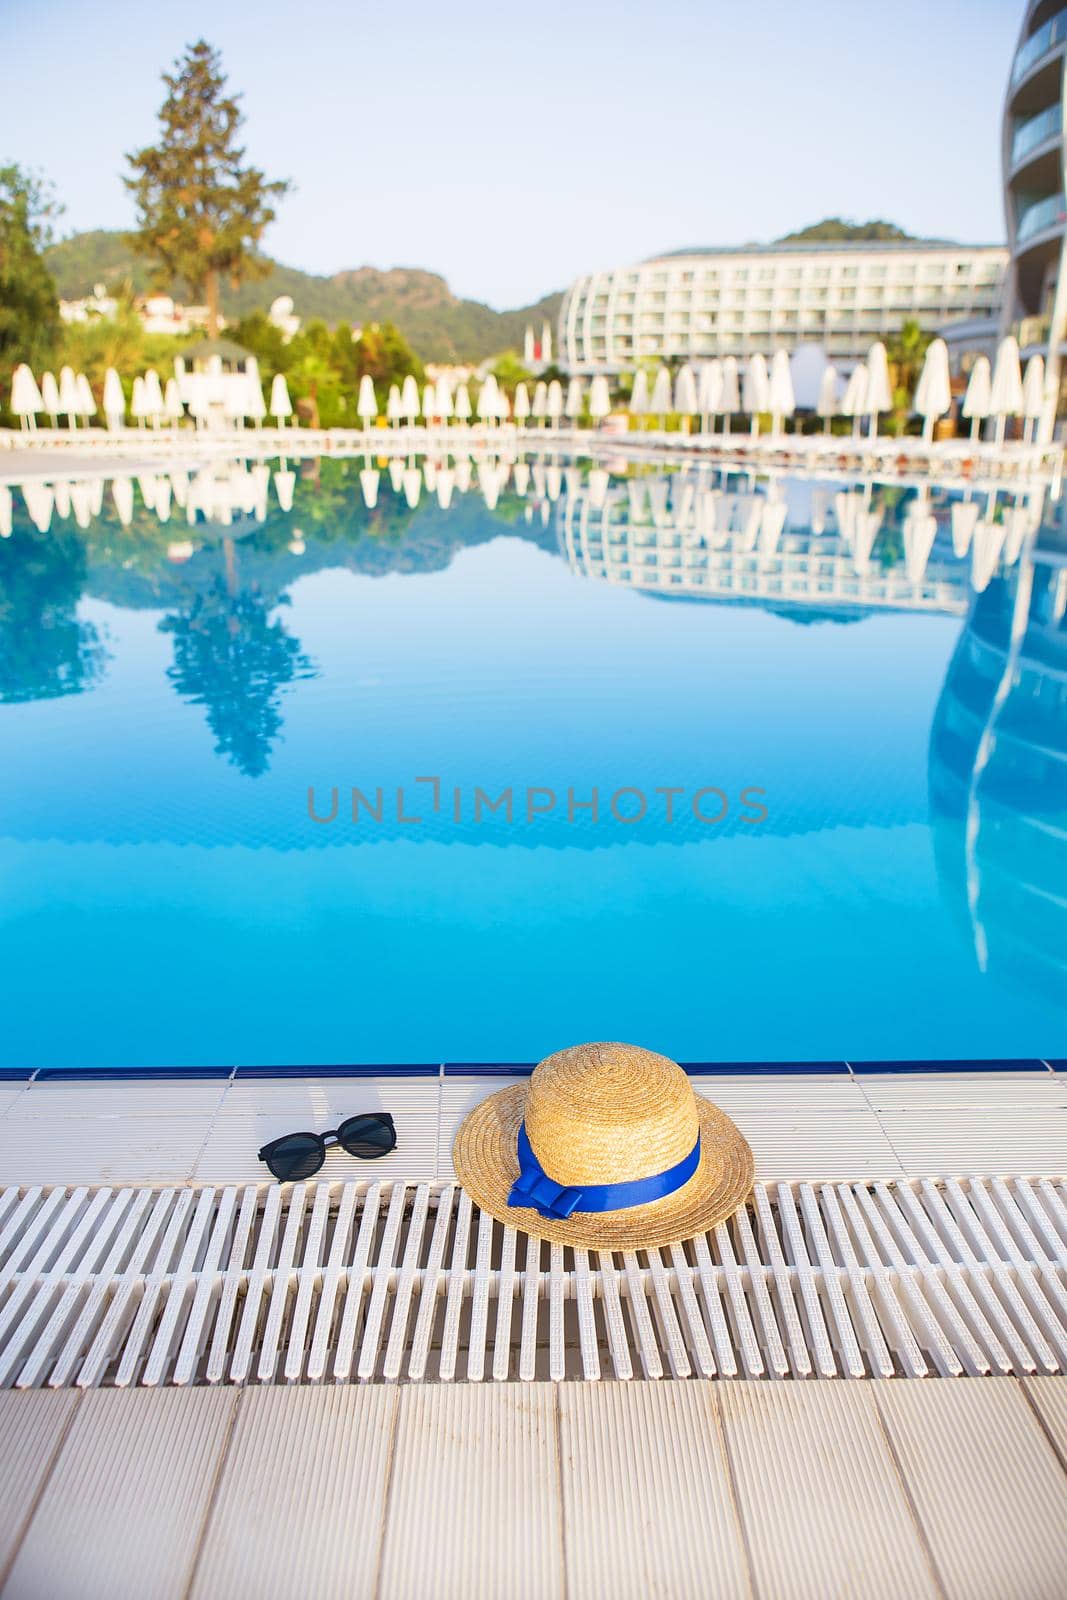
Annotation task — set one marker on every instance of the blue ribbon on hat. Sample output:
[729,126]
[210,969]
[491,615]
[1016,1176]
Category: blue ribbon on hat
[534,1188]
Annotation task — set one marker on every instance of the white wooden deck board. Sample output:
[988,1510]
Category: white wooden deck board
[303,1491]
[648,1503]
[474,1506]
[123,1509]
[1049,1398]
[31,1434]
[824,1511]
[987,1487]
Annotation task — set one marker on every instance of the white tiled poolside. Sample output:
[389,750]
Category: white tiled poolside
[843,1126]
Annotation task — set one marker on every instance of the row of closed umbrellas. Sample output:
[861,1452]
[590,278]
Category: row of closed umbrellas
[713,389]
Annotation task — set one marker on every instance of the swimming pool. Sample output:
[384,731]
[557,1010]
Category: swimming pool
[830,778]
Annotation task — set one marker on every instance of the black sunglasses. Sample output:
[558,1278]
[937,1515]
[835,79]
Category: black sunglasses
[298,1155]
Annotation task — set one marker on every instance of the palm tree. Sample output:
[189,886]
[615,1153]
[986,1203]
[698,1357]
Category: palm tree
[905,351]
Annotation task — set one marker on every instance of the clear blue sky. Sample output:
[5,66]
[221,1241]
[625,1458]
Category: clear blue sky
[512,146]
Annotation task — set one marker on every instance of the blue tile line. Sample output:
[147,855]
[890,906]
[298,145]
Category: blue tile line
[499,1069]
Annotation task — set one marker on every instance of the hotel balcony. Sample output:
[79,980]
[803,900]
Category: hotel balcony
[1036,52]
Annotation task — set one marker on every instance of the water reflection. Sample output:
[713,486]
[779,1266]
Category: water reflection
[45,648]
[998,775]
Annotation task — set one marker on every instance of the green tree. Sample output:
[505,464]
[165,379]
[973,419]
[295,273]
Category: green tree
[200,210]
[905,351]
[29,309]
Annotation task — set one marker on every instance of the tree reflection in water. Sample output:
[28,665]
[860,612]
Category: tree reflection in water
[233,656]
[46,649]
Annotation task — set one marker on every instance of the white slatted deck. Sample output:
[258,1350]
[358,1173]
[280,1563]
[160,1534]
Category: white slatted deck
[399,1282]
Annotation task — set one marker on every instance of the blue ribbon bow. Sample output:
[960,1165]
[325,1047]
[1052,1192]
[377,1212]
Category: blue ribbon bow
[534,1189]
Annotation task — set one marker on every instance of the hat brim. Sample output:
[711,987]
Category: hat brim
[486,1162]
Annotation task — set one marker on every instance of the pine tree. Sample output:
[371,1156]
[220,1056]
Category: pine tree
[200,210]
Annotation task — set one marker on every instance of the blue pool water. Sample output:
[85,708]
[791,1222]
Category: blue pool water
[888,879]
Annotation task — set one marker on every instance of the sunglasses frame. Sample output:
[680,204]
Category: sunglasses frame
[328,1140]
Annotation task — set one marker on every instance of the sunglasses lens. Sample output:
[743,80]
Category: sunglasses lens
[367,1137]
[296,1157]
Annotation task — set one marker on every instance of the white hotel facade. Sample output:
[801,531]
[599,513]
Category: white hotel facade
[699,304]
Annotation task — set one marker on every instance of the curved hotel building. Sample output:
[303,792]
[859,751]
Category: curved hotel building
[733,302]
[1035,305]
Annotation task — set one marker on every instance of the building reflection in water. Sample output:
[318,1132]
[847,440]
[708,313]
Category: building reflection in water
[998,774]
[806,550]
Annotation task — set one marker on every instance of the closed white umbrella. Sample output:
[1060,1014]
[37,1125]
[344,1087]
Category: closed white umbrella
[1006,392]
[61,495]
[254,405]
[366,401]
[879,396]
[639,394]
[660,403]
[782,400]
[685,392]
[172,401]
[521,475]
[396,474]
[709,391]
[1033,407]
[50,401]
[25,396]
[463,473]
[828,403]
[445,405]
[933,392]
[977,400]
[539,409]
[86,400]
[446,483]
[412,482]
[575,399]
[599,398]
[756,390]
[463,404]
[429,402]
[854,399]
[153,396]
[280,406]
[369,480]
[114,399]
[487,399]
[409,399]
[731,390]
[137,401]
[522,403]
[394,411]
[554,403]
[68,396]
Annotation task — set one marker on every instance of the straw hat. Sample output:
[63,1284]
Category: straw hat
[606,1146]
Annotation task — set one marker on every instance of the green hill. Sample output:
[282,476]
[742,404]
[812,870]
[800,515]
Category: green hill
[439,325]
[835,230]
